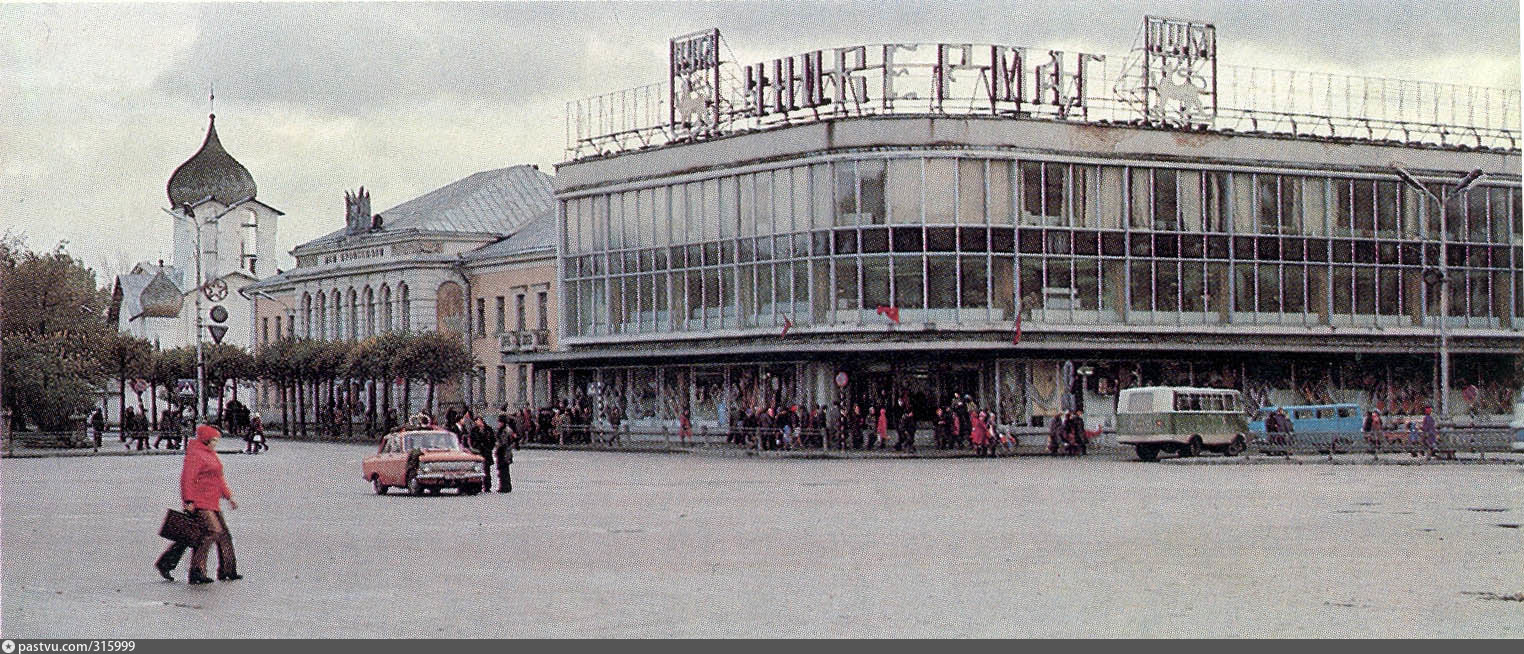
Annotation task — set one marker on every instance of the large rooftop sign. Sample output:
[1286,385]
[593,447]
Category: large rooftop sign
[1170,79]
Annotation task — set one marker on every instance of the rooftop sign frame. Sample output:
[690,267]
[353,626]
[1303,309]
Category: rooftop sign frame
[1171,79]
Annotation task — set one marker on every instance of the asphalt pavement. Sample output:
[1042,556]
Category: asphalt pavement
[595,544]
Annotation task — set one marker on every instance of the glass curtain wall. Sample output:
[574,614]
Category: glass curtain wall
[972,241]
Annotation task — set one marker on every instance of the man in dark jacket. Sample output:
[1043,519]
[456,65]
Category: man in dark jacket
[1056,428]
[506,439]
[906,425]
[964,425]
[484,441]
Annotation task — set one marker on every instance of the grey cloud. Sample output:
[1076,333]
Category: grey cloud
[350,59]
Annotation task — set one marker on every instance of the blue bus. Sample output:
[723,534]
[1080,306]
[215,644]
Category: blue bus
[1315,418]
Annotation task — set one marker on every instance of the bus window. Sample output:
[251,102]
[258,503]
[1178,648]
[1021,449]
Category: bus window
[1140,403]
[1346,412]
[1214,403]
[1303,414]
[1325,413]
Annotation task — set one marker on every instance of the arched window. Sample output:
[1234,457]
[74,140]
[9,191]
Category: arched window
[386,308]
[354,315]
[322,317]
[407,308]
[307,315]
[249,240]
[337,300]
[450,309]
[370,312]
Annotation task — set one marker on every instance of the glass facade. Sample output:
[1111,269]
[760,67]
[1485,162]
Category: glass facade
[970,241]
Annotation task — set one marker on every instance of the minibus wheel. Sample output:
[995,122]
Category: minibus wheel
[1192,447]
[1148,452]
[1236,447]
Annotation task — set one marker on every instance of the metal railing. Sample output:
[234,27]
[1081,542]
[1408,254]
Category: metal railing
[82,440]
[1476,441]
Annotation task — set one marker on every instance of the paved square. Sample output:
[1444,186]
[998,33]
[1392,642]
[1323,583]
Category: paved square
[611,544]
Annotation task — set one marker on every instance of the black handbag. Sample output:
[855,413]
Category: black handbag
[182,527]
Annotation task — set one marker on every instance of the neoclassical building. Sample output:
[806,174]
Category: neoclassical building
[438,262]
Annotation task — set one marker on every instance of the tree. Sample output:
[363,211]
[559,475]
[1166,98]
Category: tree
[275,363]
[224,362]
[170,366]
[130,357]
[56,341]
[434,358]
[367,360]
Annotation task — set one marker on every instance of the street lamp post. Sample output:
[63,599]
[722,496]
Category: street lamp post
[200,320]
[1461,186]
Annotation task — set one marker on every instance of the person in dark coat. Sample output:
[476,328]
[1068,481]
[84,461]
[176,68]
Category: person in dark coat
[98,425]
[906,425]
[507,439]
[1057,426]
[1078,439]
[484,442]
[964,425]
[856,426]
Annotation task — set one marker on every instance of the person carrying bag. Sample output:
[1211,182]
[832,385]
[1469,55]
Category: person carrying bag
[202,489]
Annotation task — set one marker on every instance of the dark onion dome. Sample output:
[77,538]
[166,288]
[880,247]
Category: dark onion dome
[211,172]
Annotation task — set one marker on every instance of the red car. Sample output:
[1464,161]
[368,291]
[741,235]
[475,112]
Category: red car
[423,459]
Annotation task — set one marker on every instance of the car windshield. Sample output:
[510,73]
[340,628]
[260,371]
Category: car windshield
[438,440]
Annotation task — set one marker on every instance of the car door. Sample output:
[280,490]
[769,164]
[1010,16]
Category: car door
[393,464]
[370,465]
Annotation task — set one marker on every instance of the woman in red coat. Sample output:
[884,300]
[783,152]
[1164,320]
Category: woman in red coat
[202,489]
[883,427]
[978,432]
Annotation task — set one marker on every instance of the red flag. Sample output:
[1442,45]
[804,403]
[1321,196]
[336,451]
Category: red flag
[787,324]
[1016,338]
[890,312]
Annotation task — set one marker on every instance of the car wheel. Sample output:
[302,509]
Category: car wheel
[1236,447]
[375,483]
[1147,453]
[413,487]
[1192,447]
[470,489]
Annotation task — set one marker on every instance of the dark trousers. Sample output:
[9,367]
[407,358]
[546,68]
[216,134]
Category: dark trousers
[487,471]
[907,440]
[227,562]
[504,458]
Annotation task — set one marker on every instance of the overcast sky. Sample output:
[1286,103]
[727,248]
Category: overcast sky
[100,103]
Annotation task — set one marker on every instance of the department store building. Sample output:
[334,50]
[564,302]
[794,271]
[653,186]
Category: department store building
[870,222]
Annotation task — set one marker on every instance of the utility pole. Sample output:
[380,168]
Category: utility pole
[190,214]
[1461,186]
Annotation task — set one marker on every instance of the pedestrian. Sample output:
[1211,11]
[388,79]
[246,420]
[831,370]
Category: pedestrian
[507,439]
[1415,438]
[882,427]
[484,440]
[1078,439]
[965,426]
[98,425]
[1056,428]
[1430,431]
[907,429]
[202,489]
[978,435]
[685,427]
[1372,429]
[257,431]
[140,429]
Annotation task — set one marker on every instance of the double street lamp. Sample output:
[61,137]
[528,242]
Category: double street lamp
[201,288]
[1461,186]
